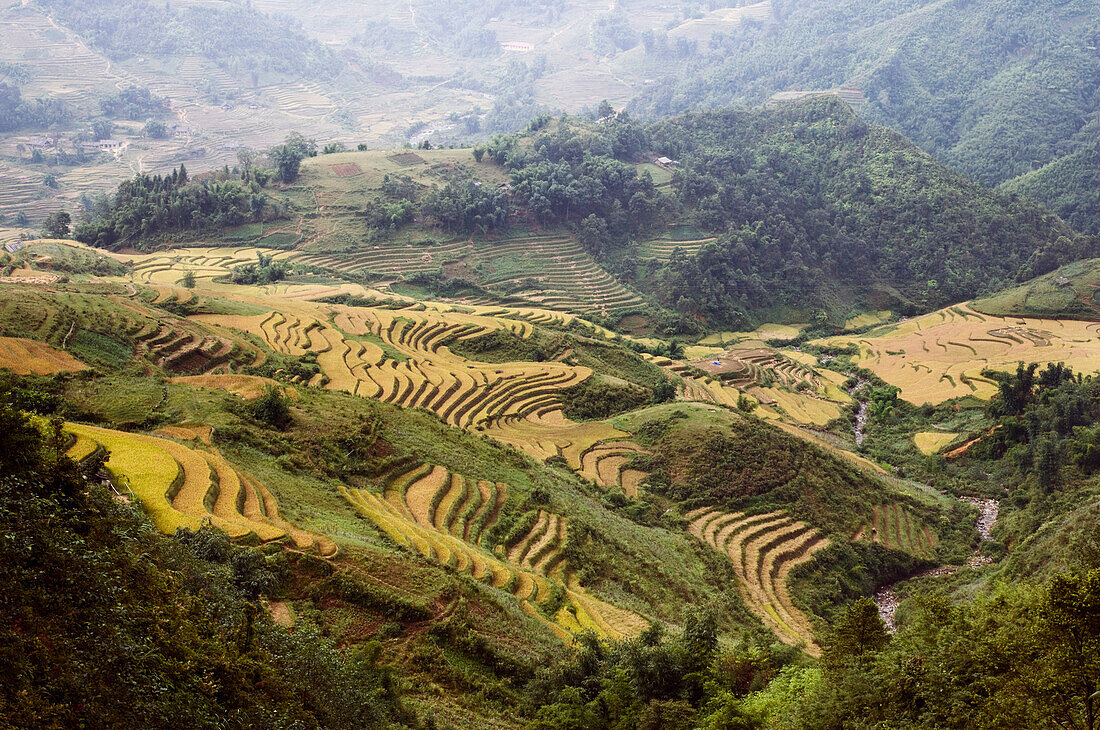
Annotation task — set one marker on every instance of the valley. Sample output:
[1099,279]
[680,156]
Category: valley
[549,365]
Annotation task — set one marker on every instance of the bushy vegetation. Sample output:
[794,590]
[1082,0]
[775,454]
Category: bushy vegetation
[143,625]
[134,103]
[18,113]
[147,207]
[582,178]
[264,271]
[655,681]
[1019,656]
[466,206]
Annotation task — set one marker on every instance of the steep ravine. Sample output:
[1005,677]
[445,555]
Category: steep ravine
[887,599]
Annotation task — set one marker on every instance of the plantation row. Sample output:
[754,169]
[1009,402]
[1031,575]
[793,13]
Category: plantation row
[445,517]
[764,549]
[182,487]
[398,353]
[662,250]
[114,329]
[894,527]
[400,357]
[608,465]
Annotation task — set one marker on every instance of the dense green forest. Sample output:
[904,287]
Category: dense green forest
[236,37]
[798,196]
[804,195]
[1070,186]
[150,206]
[17,112]
[991,87]
[567,175]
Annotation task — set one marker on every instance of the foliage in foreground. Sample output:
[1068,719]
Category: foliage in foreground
[1023,656]
[105,620]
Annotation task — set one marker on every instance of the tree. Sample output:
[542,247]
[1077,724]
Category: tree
[273,408]
[1068,632]
[57,225]
[857,633]
[288,161]
[188,280]
[156,129]
[246,159]
[103,129]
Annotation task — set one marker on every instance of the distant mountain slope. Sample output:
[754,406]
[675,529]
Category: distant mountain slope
[1070,185]
[808,202]
[239,39]
[990,87]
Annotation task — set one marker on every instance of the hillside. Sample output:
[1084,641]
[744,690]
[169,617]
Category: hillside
[382,73]
[991,88]
[1067,185]
[486,504]
[1069,292]
[770,211]
[412,483]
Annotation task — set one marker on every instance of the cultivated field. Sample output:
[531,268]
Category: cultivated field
[764,549]
[930,442]
[895,527]
[942,355]
[783,385]
[183,487]
[446,517]
[30,357]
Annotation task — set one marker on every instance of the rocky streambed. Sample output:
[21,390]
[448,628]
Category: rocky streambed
[887,599]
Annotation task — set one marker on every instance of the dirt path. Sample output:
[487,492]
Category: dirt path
[281,613]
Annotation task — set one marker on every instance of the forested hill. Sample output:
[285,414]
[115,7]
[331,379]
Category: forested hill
[992,88]
[1070,185]
[237,38]
[807,198]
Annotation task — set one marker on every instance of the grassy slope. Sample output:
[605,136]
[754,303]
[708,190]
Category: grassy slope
[1046,297]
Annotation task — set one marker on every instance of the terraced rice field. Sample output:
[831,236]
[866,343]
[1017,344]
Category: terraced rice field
[941,355]
[764,332]
[662,249]
[930,442]
[30,357]
[898,529]
[445,517]
[608,465]
[553,272]
[764,549]
[746,370]
[398,353]
[400,356]
[183,487]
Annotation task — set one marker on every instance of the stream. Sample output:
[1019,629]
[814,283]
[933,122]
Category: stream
[887,599]
[861,415]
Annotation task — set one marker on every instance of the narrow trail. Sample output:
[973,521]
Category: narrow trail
[887,599]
